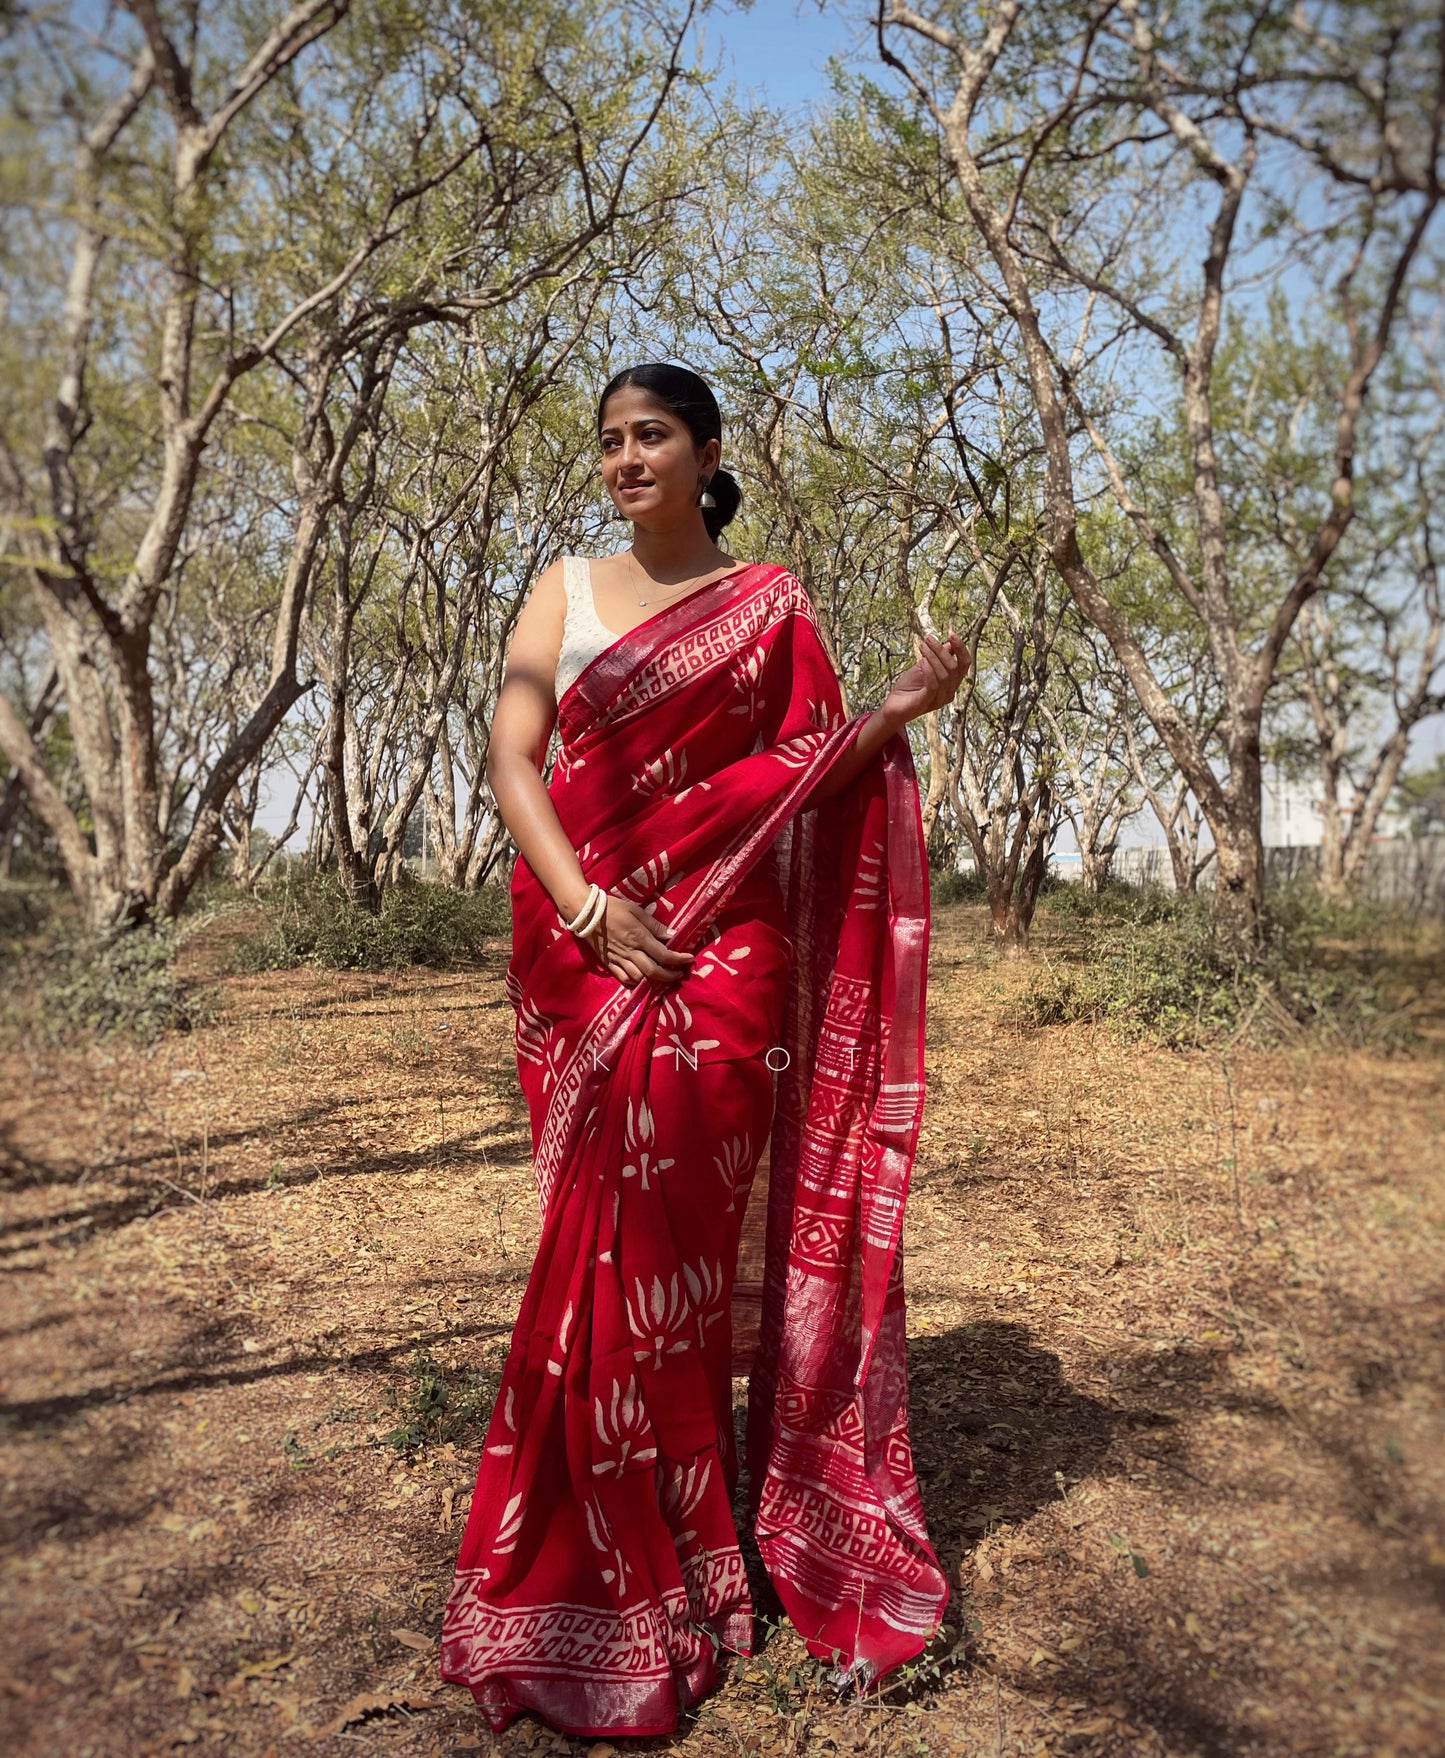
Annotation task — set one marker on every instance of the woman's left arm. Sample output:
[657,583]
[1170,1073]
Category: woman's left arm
[919,690]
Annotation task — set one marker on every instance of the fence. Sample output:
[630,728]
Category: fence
[1405,873]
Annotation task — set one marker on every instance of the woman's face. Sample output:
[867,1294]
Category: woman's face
[652,466]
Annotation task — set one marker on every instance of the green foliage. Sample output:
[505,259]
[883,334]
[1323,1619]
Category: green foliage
[24,912]
[123,981]
[947,886]
[311,920]
[1117,902]
[436,1407]
[1153,967]
[1422,794]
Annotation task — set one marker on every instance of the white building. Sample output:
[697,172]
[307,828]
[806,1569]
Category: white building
[1293,815]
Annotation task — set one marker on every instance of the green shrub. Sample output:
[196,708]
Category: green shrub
[1165,976]
[947,886]
[1117,901]
[24,911]
[311,920]
[123,981]
[437,1407]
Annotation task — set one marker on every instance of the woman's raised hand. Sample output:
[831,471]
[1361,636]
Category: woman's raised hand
[930,683]
[637,945]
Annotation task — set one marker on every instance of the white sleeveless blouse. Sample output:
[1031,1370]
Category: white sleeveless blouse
[584,634]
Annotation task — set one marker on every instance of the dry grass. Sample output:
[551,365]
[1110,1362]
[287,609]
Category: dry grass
[1177,1367]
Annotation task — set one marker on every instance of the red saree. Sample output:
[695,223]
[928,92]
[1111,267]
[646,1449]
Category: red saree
[600,1576]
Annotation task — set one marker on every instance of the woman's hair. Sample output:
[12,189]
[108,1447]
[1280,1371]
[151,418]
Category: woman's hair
[691,400]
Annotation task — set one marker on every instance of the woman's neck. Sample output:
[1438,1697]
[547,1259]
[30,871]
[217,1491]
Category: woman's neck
[677,553]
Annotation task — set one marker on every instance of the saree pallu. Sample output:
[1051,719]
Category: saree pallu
[600,1579]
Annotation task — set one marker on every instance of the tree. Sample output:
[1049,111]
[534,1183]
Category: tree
[1101,150]
[1422,794]
[256,233]
[1090,716]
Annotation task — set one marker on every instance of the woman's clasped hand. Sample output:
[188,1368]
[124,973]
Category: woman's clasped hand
[637,945]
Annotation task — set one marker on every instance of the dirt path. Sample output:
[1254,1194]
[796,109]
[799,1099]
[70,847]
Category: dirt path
[1177,1353]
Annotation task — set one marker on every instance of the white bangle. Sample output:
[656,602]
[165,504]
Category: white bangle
[596,918]
[589,903]
[591,913]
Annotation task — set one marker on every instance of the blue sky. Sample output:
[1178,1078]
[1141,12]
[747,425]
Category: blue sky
[779,48]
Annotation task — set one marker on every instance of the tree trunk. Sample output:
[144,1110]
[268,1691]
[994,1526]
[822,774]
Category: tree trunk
[1239,889]
[353,869]
[1094,866]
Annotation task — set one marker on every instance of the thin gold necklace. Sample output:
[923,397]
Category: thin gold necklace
[633,568]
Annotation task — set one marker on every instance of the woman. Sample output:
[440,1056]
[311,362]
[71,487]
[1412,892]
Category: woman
[720,932]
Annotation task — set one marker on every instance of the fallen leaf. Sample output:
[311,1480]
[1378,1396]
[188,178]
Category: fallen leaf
[984,1567]
[369,1703]
[449,1495]
[249,1601]
[133,1586]
[602,1750]
[185,1682]
[414,1639]
[257,1668]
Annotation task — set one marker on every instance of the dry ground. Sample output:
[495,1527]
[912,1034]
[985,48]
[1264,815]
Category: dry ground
[1177,1370]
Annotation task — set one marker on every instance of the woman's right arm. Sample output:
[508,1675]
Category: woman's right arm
[517,750]
[516,755]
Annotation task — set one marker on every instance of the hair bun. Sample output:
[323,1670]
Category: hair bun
[723,488]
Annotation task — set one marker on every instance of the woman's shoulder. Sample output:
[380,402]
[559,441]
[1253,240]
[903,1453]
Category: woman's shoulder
[786,590]
[544,609]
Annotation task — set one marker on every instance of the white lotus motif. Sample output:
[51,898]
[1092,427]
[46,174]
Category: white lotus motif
[532,1028]
[509,1421]
[798,751]
[641,1161]
[716,960]
[661,773]
[602,1539]
[554,1362]
[510,1529]
[735,1159]
[658,1319]
[749,675]
[649,877]
[622,1429]
[705,1286]
[682,1492]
